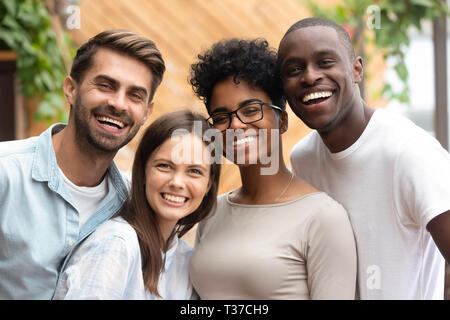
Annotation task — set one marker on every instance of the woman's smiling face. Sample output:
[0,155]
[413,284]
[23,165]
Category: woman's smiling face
[177,178]
[244,141]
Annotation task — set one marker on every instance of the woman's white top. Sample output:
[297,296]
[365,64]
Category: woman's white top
[108,265]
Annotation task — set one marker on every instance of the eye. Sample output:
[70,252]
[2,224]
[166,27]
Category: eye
[104,85]
[196,172]
[163,166]
[220,118]
[136,96]
[326,62]
[250,110]
[293,70]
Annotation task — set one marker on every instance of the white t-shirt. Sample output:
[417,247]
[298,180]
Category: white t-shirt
[392,181]
[86,199]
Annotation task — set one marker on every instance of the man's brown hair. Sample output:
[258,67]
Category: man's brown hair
[125,42]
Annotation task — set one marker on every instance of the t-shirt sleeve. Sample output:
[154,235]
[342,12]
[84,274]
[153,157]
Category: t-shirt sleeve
[331,258]
[100,270]
[421,182]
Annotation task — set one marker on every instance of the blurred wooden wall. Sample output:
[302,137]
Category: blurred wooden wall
[181,30]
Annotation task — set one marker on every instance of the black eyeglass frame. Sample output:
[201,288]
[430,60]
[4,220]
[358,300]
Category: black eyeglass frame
[230,114]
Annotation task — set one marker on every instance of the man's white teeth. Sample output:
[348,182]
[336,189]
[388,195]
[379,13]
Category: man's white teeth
[244,140]
[174,198]
[109,120]
[317,95]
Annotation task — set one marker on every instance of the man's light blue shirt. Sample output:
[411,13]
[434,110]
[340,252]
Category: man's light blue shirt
[38,220]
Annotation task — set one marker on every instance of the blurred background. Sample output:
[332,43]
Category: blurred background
[403,44]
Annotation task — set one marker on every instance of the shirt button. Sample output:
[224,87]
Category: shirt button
[70,243]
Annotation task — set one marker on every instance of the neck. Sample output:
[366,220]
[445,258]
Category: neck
[166,229]
[350,128]
[82,166]
[255,185]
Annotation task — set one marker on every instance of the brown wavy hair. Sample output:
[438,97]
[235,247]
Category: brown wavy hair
[125,42]
[137,211]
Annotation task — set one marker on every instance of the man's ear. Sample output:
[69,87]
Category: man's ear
[357,69]
[70,88]
[148,112]
[284,119]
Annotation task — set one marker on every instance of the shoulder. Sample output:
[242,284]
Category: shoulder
[325,211]
[214,216]
[16,161]
[400,133]
[14,153]
[183,248]
[221,205]
[117,227]
[115,233]
[410,146]
[306,145]
[15,147]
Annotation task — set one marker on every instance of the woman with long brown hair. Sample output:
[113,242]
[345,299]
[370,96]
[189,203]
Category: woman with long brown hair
[138,253]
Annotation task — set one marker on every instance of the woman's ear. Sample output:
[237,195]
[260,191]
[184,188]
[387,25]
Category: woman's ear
[284,119]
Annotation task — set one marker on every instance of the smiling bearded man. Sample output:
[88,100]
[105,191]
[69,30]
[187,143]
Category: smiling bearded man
[56,189]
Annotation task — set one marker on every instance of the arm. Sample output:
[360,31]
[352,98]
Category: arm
[423,184]
[99,269]
[439,227]
[331,259]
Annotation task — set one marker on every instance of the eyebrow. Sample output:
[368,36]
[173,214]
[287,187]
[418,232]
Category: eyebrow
[162,159]
[114,82]
[202,166]
[325,52]
[242,103]
[319,53]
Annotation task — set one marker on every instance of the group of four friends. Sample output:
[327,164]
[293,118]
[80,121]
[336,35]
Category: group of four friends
[364,213]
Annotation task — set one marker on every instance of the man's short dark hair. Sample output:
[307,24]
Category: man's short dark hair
[125,42]
[316,22]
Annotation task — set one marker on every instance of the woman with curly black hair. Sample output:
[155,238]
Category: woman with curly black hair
[276,237]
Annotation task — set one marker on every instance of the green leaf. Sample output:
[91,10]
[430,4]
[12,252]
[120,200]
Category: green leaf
[10,6]
[402,71]
[9,21]
[424,3]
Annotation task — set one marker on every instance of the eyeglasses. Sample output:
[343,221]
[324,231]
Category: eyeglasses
[248,113]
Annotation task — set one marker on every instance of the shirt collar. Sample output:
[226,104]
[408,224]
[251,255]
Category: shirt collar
[170,252]
[45,167]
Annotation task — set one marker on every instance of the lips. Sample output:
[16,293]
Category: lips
[110,125]
[174,199]
[316,97]
[108,121]
[243,141]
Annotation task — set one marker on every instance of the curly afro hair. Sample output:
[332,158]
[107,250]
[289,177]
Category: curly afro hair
[250,60]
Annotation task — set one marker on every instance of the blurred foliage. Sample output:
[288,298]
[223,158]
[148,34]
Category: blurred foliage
[386,24]
[25,27]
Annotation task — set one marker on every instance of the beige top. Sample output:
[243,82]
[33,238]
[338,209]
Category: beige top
[301,249]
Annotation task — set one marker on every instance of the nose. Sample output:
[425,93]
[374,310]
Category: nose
[311,76]
[177,181]
[236,123]
[118,100]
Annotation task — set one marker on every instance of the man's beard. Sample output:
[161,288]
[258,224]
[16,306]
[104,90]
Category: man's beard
[102,143]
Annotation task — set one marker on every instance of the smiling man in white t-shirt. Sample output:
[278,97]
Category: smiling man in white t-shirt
[391,176]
